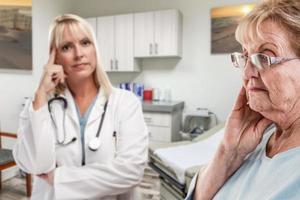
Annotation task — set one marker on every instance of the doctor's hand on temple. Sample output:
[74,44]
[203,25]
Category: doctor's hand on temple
[53,75]
[81,137]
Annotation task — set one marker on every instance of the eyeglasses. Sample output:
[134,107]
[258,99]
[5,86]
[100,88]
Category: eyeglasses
[259,60]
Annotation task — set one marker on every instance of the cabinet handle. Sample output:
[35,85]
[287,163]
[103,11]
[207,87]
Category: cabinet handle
[150,48]
[111,64]
[148,119]
[116,64]
[156,48]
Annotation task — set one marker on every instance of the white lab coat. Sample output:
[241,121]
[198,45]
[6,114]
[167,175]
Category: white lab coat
[110,173]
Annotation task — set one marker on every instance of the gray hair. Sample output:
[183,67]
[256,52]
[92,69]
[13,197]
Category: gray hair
[283,12]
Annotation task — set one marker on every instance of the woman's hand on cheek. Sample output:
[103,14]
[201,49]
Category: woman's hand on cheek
[244,128]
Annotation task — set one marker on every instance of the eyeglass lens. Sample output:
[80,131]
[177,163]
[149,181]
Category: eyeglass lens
[238,60]
[261,61]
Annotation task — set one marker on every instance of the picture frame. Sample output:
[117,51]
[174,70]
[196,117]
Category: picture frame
[16,35]
[224,21]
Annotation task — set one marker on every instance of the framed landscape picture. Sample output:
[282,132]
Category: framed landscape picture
[15,34]
[224,21]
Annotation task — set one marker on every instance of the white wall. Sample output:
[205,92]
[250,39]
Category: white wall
[15,85]
[199,78]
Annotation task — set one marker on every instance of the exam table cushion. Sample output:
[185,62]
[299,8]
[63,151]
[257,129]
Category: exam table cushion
[183,174]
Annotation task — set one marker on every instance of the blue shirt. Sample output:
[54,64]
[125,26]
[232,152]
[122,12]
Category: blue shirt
[261,177]
[82,122]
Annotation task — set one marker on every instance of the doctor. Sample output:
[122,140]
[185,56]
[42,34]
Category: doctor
[83,138]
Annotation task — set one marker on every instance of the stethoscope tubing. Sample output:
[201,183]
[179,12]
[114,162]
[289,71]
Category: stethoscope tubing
[65,105]
[102,119]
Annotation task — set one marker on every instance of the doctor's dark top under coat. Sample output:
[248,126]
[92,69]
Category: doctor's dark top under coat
[109,173]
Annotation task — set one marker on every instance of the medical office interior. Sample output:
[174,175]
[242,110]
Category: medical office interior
[186,90]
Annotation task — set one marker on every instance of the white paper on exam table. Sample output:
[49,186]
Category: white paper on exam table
[182,157]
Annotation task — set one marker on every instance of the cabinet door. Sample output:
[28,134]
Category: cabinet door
[124,60]
[158,119]
[160,134]
[93,22]
[143,34]
[166,34]
[105,37]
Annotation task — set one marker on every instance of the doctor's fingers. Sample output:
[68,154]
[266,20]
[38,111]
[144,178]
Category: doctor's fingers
[52,75]
[54,69]
[58,76]
[52,57]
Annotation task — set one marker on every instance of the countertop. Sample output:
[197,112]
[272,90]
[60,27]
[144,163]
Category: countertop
[162,106]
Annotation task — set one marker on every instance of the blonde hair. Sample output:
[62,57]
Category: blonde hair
[75,23]
[282,12]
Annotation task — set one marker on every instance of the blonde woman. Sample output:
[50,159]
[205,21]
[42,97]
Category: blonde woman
[253,161]
[82,138]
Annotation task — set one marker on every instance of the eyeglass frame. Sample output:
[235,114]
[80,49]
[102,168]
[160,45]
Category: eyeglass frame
[271,60]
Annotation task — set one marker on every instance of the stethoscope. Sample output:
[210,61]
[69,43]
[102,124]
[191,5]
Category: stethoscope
[94,144]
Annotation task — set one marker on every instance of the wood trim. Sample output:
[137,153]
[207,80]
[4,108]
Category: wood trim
[6,134]
[28,184]
[11,164]
[7,165]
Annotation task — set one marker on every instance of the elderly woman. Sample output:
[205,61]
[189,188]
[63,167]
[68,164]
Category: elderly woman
[253,161]
[82,138]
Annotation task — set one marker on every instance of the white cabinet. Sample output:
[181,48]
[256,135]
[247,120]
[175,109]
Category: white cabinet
[163,127]
[122,38]
[124,44]
[105,37]
[115,42]
[158,34]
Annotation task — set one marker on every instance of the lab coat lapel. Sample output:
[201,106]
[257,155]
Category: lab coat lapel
[71,109]
[98,107]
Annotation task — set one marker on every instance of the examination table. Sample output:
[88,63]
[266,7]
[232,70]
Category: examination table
[178,162]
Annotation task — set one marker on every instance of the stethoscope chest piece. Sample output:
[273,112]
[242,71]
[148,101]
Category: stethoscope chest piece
[94,144]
